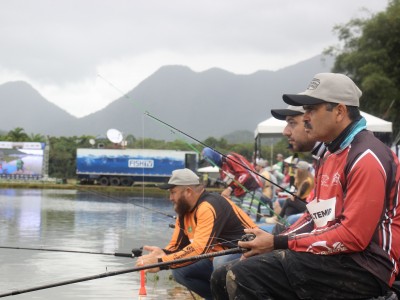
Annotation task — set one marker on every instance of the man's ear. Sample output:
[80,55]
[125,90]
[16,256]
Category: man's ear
[340,111]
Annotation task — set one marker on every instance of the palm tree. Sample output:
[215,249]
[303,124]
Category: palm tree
[37,137]
[17,135]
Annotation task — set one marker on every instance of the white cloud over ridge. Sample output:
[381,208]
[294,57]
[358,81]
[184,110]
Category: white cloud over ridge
[61,47]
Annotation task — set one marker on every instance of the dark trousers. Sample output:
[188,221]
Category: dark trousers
[292,207]
[286,274]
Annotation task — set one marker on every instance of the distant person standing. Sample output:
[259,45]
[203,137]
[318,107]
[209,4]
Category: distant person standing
[280,162]
[20,165]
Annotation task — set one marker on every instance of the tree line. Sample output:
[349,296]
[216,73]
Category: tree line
[369,54]
[62,156]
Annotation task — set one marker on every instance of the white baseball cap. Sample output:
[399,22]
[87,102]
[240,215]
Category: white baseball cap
[327,87]
[181,177]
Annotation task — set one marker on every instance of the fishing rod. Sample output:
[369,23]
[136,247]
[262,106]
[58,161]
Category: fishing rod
[174,130]
[70,251]
[135,252]
[253,197]
[168,215]
[281,220]
[124,271]
[142,206]
[220,153]
[195,139]
[154,210]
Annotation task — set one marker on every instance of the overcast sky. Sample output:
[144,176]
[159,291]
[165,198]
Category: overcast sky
[61,47]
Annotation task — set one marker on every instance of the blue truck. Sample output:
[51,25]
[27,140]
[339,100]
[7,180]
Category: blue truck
[127,166]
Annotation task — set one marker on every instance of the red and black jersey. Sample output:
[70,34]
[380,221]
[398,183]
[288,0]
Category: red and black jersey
[362,183]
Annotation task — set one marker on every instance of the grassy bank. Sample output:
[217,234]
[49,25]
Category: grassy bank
[136,190]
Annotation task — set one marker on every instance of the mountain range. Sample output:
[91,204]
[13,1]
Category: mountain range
[174,99]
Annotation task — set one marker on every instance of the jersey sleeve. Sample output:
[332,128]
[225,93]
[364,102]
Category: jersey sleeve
[173,243]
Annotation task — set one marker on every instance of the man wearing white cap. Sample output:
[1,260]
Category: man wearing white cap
[350,247]
[207,222]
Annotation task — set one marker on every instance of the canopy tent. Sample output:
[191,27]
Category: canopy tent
[212,175]
[273,128]
[209,169]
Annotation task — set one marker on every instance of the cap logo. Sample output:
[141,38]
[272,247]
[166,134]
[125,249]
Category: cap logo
[313,84]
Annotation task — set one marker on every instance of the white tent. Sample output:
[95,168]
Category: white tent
[273,127]
[209,169]
[212,174]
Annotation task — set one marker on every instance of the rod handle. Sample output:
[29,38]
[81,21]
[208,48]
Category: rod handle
[123,254]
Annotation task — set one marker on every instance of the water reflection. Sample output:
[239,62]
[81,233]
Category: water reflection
[86,221]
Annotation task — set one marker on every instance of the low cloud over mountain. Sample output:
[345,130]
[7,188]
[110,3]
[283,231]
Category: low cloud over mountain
[210,103]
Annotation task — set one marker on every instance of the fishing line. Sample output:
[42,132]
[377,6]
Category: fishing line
[217,240]
[124,271]
[175,130]
[66,250]
[258,201]
[133,203]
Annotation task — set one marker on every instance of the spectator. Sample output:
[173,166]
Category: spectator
[304,184]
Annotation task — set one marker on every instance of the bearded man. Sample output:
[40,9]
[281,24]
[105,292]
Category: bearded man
[207,222]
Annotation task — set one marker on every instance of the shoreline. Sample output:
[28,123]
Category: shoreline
[148,189]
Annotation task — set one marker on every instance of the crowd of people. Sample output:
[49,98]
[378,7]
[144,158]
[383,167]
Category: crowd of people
[345,240]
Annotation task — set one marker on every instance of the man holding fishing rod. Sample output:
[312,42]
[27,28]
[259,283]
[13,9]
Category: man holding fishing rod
[243,184]
[207,222]
[347,246]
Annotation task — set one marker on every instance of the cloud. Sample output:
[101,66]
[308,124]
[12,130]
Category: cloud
[60,47]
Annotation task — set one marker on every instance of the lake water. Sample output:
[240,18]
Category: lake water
[81,221]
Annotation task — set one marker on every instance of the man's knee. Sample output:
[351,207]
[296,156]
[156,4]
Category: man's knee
[218,276]
[231,285]
[179,275]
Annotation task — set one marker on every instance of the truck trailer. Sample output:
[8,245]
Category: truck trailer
[127,166]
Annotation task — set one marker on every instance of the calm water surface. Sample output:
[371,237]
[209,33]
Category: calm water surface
[82,221]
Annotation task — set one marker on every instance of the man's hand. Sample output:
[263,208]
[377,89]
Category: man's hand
[263,243]
[154,251]
[151,258]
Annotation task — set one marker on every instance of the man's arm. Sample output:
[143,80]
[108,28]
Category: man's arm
[203,238]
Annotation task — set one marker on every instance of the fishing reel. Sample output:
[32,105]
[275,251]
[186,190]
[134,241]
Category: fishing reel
[248,237]
[136,252]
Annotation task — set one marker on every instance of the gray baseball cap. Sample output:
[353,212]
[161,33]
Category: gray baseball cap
[327,87]
[181,177]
